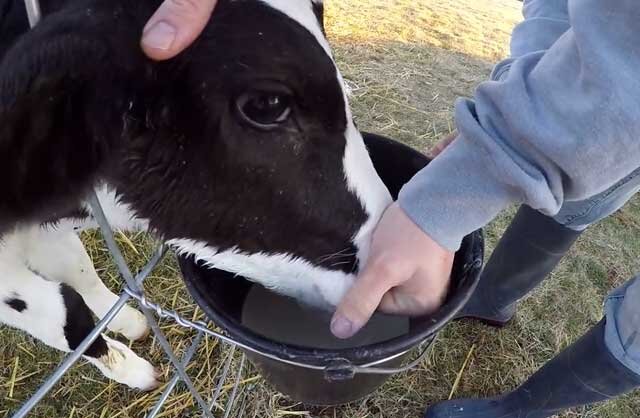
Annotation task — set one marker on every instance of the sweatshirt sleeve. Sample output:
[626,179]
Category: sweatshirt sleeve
[562,125]
[544,23]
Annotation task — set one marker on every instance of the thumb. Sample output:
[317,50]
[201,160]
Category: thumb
[442,145]
[174,26]
[360,303]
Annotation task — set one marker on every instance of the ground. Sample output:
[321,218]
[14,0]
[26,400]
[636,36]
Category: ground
[407,62]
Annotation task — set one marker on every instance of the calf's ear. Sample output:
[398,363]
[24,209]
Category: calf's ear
[70,91]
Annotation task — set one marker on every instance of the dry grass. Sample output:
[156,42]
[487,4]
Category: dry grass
[407,62]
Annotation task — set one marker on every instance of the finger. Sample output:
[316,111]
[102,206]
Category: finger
[442,145]
[174,26]
[407,303]
[361,302]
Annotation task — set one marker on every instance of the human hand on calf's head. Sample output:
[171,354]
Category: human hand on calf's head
[174,26]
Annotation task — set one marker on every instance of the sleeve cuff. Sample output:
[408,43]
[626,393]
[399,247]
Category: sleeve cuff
[456,194]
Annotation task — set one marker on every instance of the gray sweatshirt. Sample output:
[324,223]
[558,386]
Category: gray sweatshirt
[562,124]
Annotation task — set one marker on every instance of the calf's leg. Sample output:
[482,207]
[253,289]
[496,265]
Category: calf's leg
[61,256]
[56,314]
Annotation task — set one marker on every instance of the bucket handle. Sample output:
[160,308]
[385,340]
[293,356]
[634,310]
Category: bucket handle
[339,370]
[343,369]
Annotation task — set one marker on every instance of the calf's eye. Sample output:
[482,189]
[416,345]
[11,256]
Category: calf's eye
[264,110]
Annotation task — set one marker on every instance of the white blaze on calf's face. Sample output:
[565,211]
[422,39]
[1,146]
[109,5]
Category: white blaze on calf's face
[361,176]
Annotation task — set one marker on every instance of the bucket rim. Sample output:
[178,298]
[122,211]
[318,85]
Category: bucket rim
[466,274]
[363,356]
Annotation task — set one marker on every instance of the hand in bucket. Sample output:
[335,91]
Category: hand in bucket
[174,26]
[407,274]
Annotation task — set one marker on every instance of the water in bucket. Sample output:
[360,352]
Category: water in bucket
[285,320]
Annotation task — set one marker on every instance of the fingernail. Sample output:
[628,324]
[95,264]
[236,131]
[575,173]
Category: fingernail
[342,327]
[160,36]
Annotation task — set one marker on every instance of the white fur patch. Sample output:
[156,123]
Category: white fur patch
[302,12]
[281,273]
[45,315]
[33,263]
[60,256]
[119,215]
[363,180]
[126,367]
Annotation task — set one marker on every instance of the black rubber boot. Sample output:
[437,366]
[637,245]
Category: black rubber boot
[583,374]
[529,250]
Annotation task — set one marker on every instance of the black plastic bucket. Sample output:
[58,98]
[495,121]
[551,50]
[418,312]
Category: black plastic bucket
[333,377]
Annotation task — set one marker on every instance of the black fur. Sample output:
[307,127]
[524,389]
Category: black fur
[78,214]
[318,10]
[64,90]
[80,323]
[79,103]
[16,304]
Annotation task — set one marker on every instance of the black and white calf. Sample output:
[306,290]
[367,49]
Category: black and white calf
[242,152]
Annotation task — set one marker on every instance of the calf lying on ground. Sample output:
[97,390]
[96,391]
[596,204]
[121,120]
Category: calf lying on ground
[241,152]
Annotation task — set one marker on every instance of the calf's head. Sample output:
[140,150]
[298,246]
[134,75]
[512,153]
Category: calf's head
[242,151]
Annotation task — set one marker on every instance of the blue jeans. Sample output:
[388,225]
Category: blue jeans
[545,21]
[622,334]
[622,307]
[579,215]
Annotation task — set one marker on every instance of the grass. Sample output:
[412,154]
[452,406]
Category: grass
[407,62]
